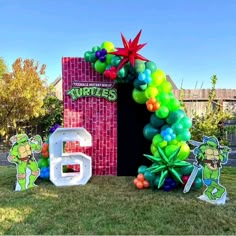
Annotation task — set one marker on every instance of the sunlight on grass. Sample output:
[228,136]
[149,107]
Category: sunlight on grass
[9,216]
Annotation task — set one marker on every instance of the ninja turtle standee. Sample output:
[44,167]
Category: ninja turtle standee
[210,155]
[22,154]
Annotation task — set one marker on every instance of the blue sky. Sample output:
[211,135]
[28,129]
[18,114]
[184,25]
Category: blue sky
[189,40]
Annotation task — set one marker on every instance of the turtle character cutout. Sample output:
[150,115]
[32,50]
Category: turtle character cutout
[210,156]
[22,154]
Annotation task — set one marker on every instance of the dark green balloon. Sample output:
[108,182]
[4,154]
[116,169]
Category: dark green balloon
[149,176]
[187,170]
[197,184]
[149,131]
[138,83]
[173,117]
[87,56]
[199,173]
[157,180]
[96,48]
[142,169]
[92,57]
[156,122]
[151,66]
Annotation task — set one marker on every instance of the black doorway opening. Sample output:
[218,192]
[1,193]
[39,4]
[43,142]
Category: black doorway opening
[132,117]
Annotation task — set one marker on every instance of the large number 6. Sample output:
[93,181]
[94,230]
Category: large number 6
[58,158]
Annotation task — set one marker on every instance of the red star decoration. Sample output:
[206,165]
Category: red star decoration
[130,51]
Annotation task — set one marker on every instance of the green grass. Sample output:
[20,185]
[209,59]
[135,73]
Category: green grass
[111,205]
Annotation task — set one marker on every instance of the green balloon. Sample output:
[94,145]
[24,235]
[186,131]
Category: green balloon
[186,170]
[170,149]
[162,112]
[96,48]
[87,56]
[149,176]
[42,163]
[151,92]
[149,132]
[100,66]
[109,58]
[139,66]
[174,104]
[186,122]
[92,57]
[175,116]
[156,122]
[197,184]
[199,173]
[109,46]
[183,152]
[139,96]
[151,66]
[158,77]
[121,73]
[166,87]
[157,139]
[163,98]
[115,61]
[142,169]
[184,136]
[177,127]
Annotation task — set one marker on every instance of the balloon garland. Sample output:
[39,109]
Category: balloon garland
[168,129]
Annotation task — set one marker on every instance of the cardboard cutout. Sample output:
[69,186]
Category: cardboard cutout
[210,156]
[22,154]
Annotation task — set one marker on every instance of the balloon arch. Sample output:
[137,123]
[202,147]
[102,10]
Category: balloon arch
[169,125]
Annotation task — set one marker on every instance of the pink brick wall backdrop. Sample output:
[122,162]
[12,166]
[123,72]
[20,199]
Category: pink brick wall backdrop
[97,115]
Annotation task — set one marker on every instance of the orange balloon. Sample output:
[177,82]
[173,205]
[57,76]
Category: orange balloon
[146,184]
[139,185]
[135,181]
[45,154]
[150,107]
[140,177]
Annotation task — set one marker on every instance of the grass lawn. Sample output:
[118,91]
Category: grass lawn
[112,205]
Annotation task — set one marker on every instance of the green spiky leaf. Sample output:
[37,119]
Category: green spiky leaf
[174,155]
[181,163]
[162,178]
[152,158]
[158,169]
[163,155]
[176,175]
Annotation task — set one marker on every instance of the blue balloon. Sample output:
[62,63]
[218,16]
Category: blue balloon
[44,173]
[173,136]
[169,131]
[147,72]
[141,76]
[148,80]
[167,137]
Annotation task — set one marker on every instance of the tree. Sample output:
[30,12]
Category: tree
[21,94]
[3,68]
[211,122]
[53,114]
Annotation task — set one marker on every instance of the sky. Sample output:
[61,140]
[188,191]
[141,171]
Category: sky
[190,40]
